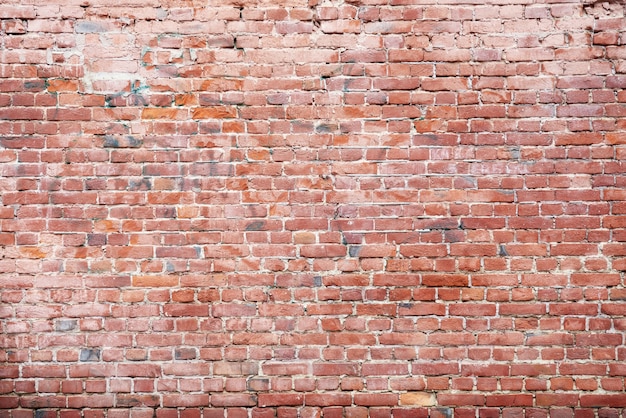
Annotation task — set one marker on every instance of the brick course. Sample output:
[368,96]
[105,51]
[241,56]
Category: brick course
[385,208]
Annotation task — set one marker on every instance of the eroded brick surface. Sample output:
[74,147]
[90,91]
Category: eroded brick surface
[385,208]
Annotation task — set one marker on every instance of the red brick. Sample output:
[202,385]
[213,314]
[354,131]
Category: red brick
[335,369]
[328,399]
[460,399]
[385,369]
[338,197]
[609,400]
[280,399]
[284,368]
[445,280]
[583,369]
[44,371]
[90,401]
[376,399]
[510,400]
[434,368]
[490,370]
[36,402]
[214,113]
[230,400]
[187,400]
[553,399]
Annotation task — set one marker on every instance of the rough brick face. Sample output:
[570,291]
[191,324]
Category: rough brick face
[386,208]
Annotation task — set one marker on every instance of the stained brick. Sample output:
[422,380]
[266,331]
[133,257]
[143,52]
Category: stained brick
[381,209]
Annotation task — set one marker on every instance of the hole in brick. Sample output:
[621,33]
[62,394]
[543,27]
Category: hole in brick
[255,226]
[43,413]
[127,141]
[355,250]
[325,128]
[447,412]
[89,354]
[66,325]
[258,384]
[185,353]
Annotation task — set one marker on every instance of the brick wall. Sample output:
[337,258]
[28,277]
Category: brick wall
[401,208]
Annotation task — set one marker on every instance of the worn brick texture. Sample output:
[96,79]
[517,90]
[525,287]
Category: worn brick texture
[312,208]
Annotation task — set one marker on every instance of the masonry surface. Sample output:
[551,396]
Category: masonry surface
[307,208]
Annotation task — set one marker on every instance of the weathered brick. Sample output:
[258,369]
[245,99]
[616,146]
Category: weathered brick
[381,209]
